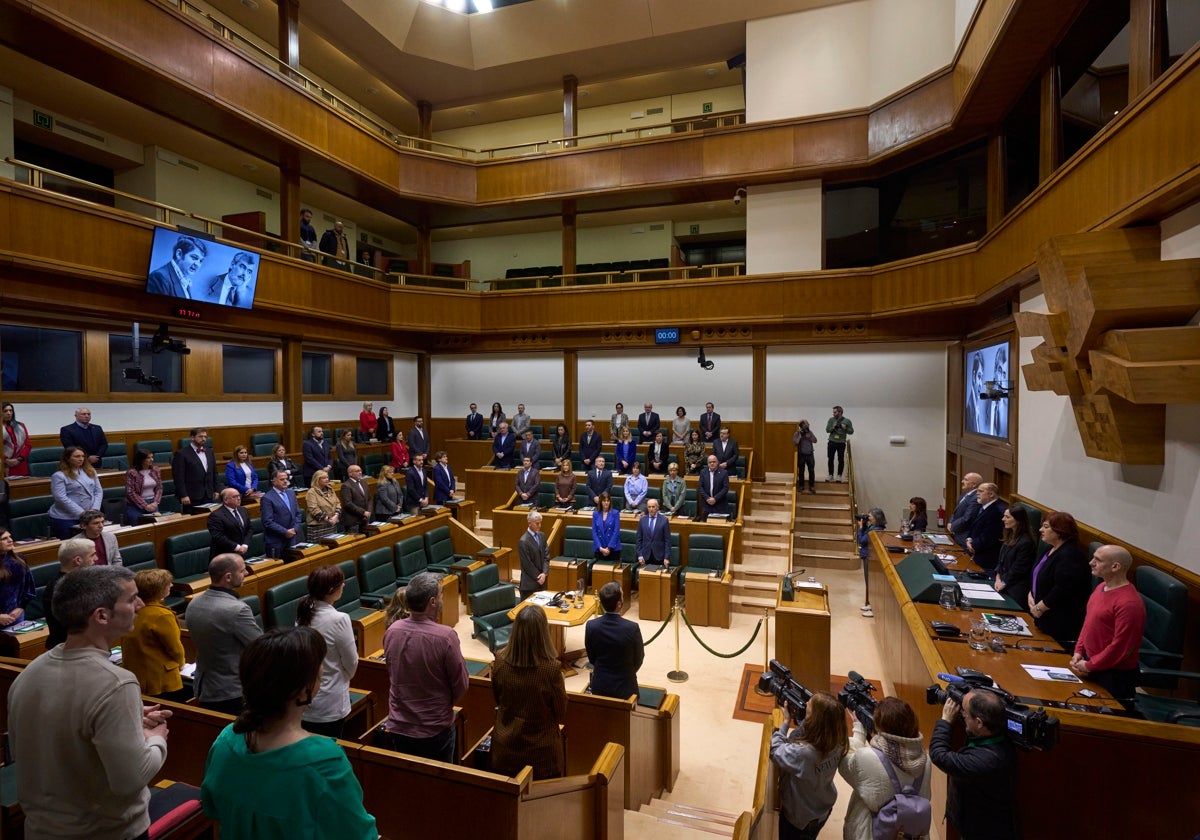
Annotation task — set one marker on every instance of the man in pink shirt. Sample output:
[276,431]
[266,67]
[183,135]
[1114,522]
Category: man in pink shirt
[1107,650]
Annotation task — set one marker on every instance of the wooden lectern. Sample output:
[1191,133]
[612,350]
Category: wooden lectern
[802,634]
[706,599]
[657,592]
[602,573]
[565,573]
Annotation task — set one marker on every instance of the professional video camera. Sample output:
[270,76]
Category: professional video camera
[856,696]
[790,694]
[1029,729]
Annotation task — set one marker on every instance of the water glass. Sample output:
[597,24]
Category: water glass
[977,636]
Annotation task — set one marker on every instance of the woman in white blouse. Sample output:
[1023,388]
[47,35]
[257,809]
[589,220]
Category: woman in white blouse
[326,715]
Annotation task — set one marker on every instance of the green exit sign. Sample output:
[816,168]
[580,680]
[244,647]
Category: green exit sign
[43,120]
[707,107]
[694,229]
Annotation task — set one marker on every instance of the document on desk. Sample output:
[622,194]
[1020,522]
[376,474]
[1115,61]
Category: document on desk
[1045,672]
[980,592]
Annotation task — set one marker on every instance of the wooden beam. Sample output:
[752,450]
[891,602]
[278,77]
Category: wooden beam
[1147,43]
[1050,133]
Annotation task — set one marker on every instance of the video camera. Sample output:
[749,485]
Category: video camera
[1028,729]
[856,696]
[789,693]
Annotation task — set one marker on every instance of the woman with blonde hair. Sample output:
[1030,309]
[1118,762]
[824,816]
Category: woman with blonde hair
[388,493]
[367,423]
[324,509]
[397,607]
[154,650]
[531,700]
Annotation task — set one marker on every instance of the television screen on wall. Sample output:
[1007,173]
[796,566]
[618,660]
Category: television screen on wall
[188,265]
[986,405]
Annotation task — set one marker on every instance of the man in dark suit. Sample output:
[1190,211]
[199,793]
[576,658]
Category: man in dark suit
[416,490]
[599,480]
[988,527]
[654,538]
[527,483]
[474,424]
[229,526]
[86,435]
[529,448]
[333,243]
[726,450]
[535,557]
[232,288]
[712,489]
[589,445]
[280,515]
[316,454]
[175,278]
[443,479]
[356,500]
[710,424]
[647,424]
[418,438]
[194,470]
[966,510]
[503,445]
[614,647]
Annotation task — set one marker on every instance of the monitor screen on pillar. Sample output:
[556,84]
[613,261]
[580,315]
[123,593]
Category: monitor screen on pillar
[190,265]
[986,408]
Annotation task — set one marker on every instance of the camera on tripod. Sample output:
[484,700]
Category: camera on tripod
[1028,729]
[856,696]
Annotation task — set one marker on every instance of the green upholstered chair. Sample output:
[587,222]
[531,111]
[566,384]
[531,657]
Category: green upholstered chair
[281,602]
[706,551]
[139,556]
[255,609]
[578,545]
[187,556]
[42,573]
[43,460]
[439,550]
[351,603]
[1161,654]
[28,518]
[264,443]
[545,495]
[161,449]
[115,458]
[489,615]
[377,575]
[411,559]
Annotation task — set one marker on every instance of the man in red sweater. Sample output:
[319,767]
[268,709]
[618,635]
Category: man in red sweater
[1107,650]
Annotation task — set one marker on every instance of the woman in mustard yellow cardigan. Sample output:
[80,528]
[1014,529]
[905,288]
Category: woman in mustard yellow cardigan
[154,650]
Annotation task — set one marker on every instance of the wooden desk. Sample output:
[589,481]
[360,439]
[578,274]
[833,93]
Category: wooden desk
[559,622]
[27,646]
[502,557]
[706,598]
[602,573]
[802,634]
[565,574]
[657,590]
[464,511]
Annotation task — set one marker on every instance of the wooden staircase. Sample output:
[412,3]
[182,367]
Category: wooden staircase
[824,529]
[766,538]
[663,820]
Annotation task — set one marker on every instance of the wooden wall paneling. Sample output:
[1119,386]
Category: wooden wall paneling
[662,160]
[824,143]
[95,361]
[202,368]
[740,153]
[923,108]
[977,44]
[345,376]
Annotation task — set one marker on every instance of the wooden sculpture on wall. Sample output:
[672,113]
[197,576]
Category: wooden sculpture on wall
[1116,340]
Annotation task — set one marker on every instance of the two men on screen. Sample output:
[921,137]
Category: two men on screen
[183,275]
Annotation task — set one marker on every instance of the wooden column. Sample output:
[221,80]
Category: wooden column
[424,377]
[424,245]
[292,374]
[758,408]
[997,180]
[569,238]
[289,202]
[425,122]
[289,33]
[1147,43]
[571,392]
[1050,137]
[570,115]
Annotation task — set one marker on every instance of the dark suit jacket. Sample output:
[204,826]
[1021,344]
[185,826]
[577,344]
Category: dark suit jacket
[385,429]
[528,483]
[531,450]
[443,485]
[710,429]
[278,518]
[502,450]
[646,427]
[720,487]
[91,440]
[535,560]
[656,547]
[418,442]
[415,488]
[163,281]
[615,649]
[316,457]
[1064,585]
[985,534]
[228,529]
[356,505]
[597,483]
[192,479]
[727,453]
[475,426]
[652,456]
[329,242]
[589,448]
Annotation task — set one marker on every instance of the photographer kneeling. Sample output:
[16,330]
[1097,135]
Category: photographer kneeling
[807,755]
[981,801]
[894,758]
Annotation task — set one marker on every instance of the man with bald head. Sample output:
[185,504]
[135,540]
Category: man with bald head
[86,435]
[1107,650]
[966,510]
[229,526]
[983,541]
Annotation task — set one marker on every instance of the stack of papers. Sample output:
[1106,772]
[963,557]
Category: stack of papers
[1045,672]
[980,592]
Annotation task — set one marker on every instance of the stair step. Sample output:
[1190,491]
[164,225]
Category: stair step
[751,605]
[781,517]
[642,826]
[820,526]
[695,811]
[826,512]
[822,542]
[761,564]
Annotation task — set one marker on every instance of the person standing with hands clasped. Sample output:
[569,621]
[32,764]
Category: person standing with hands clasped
[803,440]
[839,428]
[807,754]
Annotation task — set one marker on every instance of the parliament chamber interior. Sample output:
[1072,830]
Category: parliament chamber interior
[973,225]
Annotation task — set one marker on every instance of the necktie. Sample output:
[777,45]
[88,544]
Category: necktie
[233,296]
[652,518]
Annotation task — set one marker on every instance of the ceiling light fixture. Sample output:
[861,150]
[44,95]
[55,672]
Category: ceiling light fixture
[483,6]
[456,5]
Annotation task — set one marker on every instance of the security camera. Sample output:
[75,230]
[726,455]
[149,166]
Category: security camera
[738,195]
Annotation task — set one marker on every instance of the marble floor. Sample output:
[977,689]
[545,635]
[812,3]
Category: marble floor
[718,754]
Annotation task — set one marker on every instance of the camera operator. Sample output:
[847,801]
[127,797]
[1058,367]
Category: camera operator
[897,740]
[803,440]
[981,801]
[874,520]
[838,427]
[807,755]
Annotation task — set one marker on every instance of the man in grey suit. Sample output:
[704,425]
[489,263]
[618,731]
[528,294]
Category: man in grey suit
[528,480]
[221,625]
[535,557]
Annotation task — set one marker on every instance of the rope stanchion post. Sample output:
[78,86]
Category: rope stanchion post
[758,688]
[678,675]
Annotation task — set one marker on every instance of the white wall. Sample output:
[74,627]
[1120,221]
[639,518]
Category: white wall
[535,379]
[845,56]
[963,11]
[885,390]
[1153,508]
[784,227]
[668,377]
[402,407]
